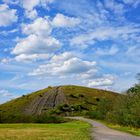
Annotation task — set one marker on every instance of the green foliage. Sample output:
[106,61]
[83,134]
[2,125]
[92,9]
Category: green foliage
[128,129]
[16,118]
[45,118]
[126,110]
[17,106]
[49,117]
[79,101]
[123,110]
[103,107]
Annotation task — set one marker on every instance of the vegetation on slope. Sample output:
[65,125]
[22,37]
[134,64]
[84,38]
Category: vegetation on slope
[124,110]
[18,105]
[128,129]
[54,101]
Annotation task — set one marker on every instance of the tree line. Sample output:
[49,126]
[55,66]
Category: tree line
[124,110]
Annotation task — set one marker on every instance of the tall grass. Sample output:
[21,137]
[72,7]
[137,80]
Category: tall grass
[74,130]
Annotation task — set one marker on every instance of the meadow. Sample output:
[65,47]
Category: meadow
[74,130]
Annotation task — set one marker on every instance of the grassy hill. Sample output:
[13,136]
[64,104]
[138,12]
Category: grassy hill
[61,100]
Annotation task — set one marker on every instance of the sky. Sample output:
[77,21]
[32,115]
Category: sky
[93,43]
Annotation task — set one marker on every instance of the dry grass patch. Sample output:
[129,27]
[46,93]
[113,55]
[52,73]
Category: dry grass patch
[74,130]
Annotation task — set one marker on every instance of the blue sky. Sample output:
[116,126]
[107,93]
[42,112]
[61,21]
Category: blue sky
[93,43]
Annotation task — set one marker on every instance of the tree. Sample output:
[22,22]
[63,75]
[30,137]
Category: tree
[138,78]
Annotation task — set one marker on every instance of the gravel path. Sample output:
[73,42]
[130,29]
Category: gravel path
[101,132]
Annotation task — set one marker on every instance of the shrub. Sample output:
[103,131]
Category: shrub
[81,95]
[16,118]
[45,118]
[73,96]
[22,118]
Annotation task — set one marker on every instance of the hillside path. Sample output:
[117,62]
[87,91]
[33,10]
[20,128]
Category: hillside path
[101,132]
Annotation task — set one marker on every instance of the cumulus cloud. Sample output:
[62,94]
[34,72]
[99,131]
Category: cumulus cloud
[61,20]
[106,80]
[31,14]
[62,57]
[38,44]
[33,45]
[30,4]
[7,15]
[40,27]
[88,75]
[31,57]
[66,65]
[39,40]
[105,33]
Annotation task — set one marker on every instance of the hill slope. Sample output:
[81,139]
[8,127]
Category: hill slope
[62,100]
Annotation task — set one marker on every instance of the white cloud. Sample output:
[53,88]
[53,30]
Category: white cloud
[39,43]
[34,44]
[74,65]
[62,57]
[106,80]
[61,20]
[88,75]
[134,3]
[40,27]
[11,1]
[5,60]
[122,66]
[117,8]
[107,51]
[7,15]
[5,93]
[133,51]
[8,32]
[30,4]
[105,33]
[31,14]
[31,57]
[39,40]
[65,65]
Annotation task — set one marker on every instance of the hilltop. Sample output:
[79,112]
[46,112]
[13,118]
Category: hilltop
[64,100]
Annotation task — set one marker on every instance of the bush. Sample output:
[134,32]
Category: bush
[16,118]
[22,118]
[126,108]
[94,114]
[73,96]
[81,95]
[45,118]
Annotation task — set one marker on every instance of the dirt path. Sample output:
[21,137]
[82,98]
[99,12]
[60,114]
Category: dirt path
[102,132]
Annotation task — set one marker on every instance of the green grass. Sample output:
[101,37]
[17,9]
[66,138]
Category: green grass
[18,105]
[90,95]
[74,130]
[128,129]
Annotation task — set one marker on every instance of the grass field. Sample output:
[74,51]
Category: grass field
[75,130]
[132,130]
